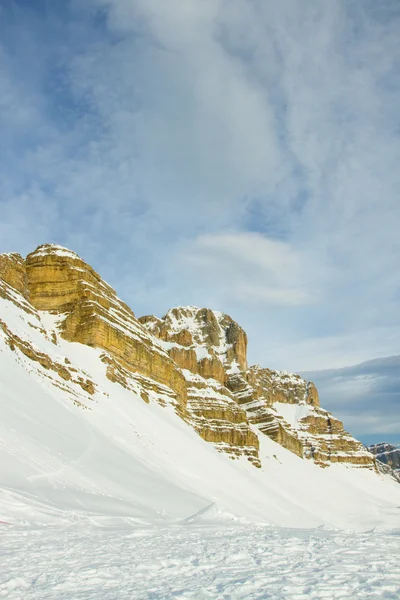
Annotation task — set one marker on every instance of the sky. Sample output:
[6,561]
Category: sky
[239,155]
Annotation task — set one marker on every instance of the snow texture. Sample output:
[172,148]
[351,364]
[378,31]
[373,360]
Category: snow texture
[293,413]
[54,249]
[197,560]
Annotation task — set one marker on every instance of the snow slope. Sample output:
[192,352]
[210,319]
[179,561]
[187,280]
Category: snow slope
[111,456]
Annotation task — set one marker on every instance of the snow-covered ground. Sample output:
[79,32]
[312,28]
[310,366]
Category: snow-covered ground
[199,561]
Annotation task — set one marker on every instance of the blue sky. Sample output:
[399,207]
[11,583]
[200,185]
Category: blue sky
[238,155]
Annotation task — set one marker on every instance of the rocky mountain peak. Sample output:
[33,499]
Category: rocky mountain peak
[212,335]
[387,454]
[58,280]
[54,249]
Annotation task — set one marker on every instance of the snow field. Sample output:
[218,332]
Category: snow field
[197,561]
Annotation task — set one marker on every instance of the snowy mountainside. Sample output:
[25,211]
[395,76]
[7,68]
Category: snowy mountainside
[211,345]
[85,436]
[387,454]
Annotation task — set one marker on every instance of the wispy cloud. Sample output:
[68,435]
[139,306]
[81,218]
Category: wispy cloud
[247,266]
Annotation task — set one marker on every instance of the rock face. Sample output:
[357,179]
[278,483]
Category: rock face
[207,344]
[387,454]
[194,359]
[281,405]
[204,341]
[286,408]
[58,280]
[13,272]
[217,418]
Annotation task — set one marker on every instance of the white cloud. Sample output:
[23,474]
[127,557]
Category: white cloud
[248,266]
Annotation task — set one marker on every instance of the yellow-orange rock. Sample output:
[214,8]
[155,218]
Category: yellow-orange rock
[13,272]
[218,419]
[315,434]
[184,357]
[312,394]
[280,386]
[59,280]
[211,368]
[216,338]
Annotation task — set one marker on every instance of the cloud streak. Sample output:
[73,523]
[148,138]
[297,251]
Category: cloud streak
[366,396]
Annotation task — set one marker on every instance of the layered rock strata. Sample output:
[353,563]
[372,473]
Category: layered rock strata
[13,272]
[286,408]
[21,328]
[281,405]
[60,281]
[217,418]
[206,345]
[206,342]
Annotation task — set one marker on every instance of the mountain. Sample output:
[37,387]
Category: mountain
[110,416]
[387,454]
[210,346]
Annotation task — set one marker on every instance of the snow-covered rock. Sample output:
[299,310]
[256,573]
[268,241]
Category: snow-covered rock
[387,454]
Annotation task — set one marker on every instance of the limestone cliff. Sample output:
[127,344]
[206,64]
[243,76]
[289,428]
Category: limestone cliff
[194,359]
[13,272]
[281,405]
[286,408]
[60,281]
[216,416]
[204,341]
[205,344]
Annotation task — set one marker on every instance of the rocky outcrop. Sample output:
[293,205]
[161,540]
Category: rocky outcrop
[281,386]
[64,371]
[217,418]
[387,454]
[207,344]
[325,440]
[215,338]
[254,395]
[194,359]
[281,405]
[286,408]
[58,280]
[13,272]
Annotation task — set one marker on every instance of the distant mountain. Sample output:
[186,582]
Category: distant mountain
[387,454]
[157,418]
